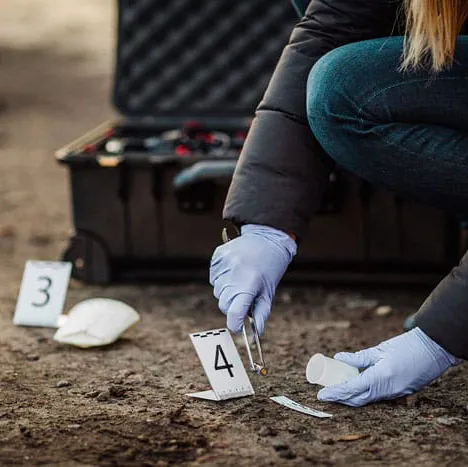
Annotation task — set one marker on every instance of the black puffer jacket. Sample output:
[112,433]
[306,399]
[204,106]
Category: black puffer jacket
[280,150]
[282,171]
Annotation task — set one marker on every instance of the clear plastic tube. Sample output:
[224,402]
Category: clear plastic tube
[327,371]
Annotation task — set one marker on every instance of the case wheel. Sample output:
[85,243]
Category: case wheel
[89,258]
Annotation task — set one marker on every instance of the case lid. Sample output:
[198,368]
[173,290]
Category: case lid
[193,58]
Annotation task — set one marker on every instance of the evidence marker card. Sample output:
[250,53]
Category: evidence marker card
[42,293]
[222,365]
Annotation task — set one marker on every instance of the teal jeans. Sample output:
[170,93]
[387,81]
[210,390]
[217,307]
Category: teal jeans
[407,132]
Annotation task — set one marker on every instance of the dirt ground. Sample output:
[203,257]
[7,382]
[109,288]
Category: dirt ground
[125,404]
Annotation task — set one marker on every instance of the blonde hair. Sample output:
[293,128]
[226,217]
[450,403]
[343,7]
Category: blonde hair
[432,27]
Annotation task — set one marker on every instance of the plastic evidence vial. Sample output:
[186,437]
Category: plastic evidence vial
[327,371]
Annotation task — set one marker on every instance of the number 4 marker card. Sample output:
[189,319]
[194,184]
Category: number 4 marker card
[42,293]
[222,364]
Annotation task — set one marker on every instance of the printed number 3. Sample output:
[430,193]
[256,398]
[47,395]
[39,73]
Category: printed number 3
[227,366]
[44,290]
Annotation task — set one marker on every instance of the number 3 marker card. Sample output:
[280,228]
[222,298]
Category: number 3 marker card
[222,364]
[42,293]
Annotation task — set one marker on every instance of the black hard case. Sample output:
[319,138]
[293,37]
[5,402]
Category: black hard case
[210,62]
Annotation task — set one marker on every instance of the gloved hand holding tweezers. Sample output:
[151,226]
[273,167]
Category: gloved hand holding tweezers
[245,272]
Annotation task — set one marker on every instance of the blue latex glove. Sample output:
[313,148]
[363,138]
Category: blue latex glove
[247,270]
[397,367]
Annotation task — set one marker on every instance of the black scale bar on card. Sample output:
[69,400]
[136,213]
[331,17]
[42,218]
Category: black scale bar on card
[209,333]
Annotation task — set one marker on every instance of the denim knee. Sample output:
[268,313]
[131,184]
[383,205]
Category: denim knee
[332,86]
[328,93]
[321,94]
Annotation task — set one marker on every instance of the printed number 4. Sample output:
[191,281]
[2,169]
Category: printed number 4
[44,290]
[227,366]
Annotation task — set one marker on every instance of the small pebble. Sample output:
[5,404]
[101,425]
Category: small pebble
[329,441]
[266,431]
[117,391]
[283,450]
[63,383]
[448,421]
[25,431]
[355,303]
[384,310]
[103,396]
[280,445]
[32,357]
[412,400]
[285,297]
[92,394]
[136,379]
[332,325]
[125,373]
[164,360]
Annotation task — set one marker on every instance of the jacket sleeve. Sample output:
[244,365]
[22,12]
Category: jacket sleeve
[444,314]
[282,172]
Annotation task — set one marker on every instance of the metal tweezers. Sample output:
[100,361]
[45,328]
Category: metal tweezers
[259,368]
